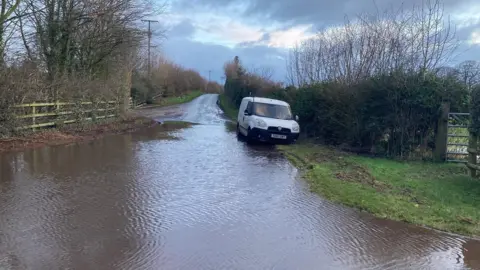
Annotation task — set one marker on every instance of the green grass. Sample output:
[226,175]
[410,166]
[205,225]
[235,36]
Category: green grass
[228,108]
[169,101]
[435,195]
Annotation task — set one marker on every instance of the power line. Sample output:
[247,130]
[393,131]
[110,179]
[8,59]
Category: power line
[149,43]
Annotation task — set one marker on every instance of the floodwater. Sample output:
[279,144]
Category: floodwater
[206,201]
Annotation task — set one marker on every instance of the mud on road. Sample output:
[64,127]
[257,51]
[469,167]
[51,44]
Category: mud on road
[205,201]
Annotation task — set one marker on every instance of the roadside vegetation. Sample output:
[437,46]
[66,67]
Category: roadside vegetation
[175,100]
[369,96]
[169,84]
[67,51]
[180,99]
[439,196]
[230,110]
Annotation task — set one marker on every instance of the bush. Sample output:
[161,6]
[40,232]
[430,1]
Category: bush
[475,111]
[394,114]
[240,83]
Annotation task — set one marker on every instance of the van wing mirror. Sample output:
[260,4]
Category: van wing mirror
[246,112]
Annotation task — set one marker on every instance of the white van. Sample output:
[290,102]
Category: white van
[268,120]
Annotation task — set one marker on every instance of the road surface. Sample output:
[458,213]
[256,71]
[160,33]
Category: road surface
[206,201]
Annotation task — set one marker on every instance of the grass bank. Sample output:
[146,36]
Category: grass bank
[439,196]
[230,110]
[169,101]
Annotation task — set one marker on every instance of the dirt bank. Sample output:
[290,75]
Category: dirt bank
[74,133]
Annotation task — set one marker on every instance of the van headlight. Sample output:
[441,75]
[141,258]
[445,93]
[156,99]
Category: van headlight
[260,123]
[295,127]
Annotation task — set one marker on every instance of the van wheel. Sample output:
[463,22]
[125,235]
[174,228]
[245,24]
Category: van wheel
[249,136]
[239,134]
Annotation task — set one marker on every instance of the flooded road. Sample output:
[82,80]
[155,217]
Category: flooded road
[205,201]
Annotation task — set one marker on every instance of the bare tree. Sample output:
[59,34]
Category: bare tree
[469,73]
[265,73]
[415,39]
[6,19]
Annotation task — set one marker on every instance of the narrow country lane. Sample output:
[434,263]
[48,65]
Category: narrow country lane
[206,201]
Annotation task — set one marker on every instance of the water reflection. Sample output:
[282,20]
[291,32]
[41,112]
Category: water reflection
[75,203]
[471,254]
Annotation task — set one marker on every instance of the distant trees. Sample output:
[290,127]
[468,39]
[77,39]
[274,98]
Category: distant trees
[168,79]
[240,82]
[469,73]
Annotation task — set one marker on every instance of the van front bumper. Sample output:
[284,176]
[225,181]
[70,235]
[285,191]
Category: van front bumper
[264,135]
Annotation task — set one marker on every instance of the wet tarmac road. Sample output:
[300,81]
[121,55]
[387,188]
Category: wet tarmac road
[207,201]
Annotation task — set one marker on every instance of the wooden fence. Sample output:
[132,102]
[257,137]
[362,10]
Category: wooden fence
[51,114]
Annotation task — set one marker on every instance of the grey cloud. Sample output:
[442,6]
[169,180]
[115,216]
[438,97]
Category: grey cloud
[204,57]
[466,52]
[466,32]
[264,39]
[183,29]
[319,12]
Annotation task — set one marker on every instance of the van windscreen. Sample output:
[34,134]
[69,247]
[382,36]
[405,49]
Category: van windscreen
[272,111]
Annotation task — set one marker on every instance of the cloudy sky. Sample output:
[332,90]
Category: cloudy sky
[204,34]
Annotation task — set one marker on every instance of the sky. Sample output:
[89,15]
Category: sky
[204,34]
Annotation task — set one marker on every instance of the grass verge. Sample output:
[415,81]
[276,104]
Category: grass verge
[169,101]
[228,108]
[439,196]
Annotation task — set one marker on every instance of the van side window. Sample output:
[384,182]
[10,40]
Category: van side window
[249,107]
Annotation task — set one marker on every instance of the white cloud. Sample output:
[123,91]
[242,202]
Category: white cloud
[226,32]
[475,38]
[467,17]
[289,37]
[223,30]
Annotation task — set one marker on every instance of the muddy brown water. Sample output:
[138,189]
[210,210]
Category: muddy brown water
[206,201]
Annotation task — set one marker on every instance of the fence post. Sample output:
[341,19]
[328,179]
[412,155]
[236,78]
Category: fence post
[34,112]
[472,154]
[440,152]
[57,111]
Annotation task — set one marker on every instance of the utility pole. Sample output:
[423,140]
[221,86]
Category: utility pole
[209,75]
[149,43]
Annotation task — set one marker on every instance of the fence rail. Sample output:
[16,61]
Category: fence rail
[50,114]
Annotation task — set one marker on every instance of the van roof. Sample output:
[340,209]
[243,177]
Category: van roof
[267,100]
